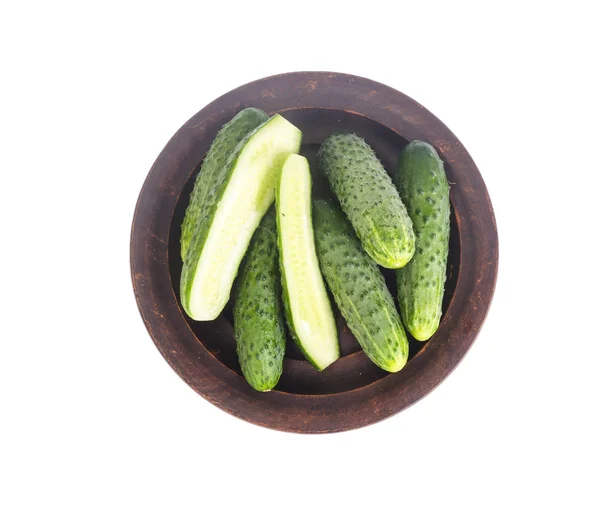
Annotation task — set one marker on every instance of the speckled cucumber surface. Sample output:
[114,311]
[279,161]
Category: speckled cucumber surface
[213,170]
[369,199]
[423,185]
[257,315]
[359,289]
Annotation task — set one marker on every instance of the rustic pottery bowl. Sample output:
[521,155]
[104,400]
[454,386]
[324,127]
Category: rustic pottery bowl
[352,392]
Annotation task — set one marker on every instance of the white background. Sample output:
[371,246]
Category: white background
[91,415]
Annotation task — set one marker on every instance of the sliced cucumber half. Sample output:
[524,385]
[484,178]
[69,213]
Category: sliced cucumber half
[221,239]
[308,309]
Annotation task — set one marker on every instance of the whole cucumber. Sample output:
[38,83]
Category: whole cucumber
[359,289]
[215,163]
[368,198]
[257,313]
[423,186]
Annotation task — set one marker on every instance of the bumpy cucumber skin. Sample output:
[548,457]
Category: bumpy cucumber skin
[369,199]
[257,313]
[285,294]
[359,289]
[202,228]
[204,192]
[423,185]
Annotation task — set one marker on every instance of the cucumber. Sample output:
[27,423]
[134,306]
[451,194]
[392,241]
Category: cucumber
[359,289]
[424,188]
[307,307]
[257,315]
[204,193]
[243,194]
[368,198]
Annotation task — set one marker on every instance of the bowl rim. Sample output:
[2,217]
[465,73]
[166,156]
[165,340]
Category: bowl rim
[304,413]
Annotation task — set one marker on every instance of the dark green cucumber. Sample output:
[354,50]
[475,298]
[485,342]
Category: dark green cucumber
[204,190]
[424,189]
[242,195]
[359,289]
[307,306]
[368,198]
[257,314]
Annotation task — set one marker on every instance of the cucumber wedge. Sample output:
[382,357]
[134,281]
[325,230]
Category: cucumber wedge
[307,307]
[213,166]
[244,194]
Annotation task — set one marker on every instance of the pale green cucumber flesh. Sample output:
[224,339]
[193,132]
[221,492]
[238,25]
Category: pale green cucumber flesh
[423,185]
[368,198]
[246,192]
[307,305]
[359,289]
[203,195]
[257,314]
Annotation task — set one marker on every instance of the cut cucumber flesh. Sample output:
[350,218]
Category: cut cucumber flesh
[213,170]
[218,247]
[308,309]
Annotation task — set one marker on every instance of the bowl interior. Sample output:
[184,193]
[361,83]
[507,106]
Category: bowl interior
[353,370]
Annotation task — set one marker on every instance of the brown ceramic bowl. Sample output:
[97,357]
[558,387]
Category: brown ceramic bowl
[352,392]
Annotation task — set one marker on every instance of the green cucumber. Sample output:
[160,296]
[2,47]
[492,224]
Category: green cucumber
[204,193]
[257,315]
[307,306]
[359,289]
[243,194]
[368,198]
[424,188]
